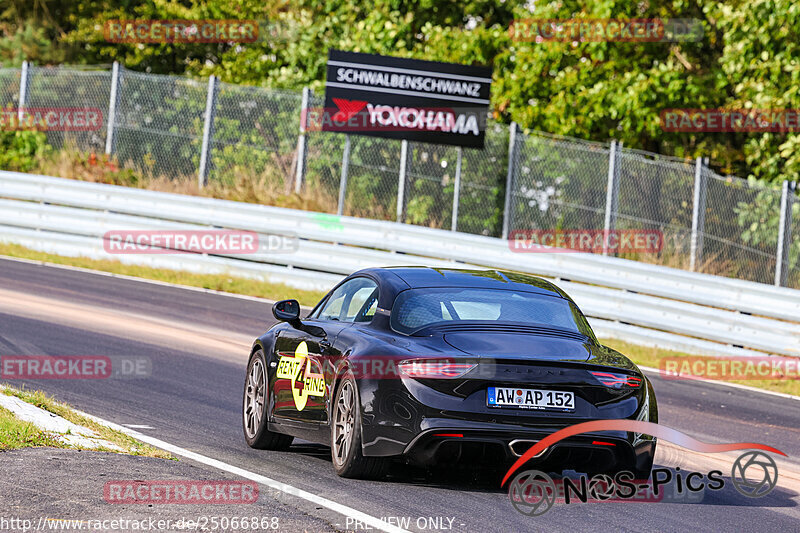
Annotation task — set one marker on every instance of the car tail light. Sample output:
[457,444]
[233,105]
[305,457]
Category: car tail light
[434,369]
[618,381]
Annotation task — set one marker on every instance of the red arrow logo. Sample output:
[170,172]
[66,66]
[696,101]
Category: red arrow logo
[347,108]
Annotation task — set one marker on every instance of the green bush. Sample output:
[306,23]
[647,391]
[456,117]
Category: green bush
[20,150]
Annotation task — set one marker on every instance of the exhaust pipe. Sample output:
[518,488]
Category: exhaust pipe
[518,447]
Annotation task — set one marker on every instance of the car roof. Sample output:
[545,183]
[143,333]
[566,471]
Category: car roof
[427,277]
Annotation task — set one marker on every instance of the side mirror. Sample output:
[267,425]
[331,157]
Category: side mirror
[286,311]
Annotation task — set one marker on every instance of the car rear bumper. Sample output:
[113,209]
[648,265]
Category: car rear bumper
[596,452]
[401,425]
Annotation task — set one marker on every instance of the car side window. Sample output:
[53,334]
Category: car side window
[333,307]
[369,309]
[357,302]
[352,301]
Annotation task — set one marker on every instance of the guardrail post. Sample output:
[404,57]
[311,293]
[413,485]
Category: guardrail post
[456,189]
[401,185]
[300,167]
[510,178]
[784,233]
[698,213]
[112,108]
[343,180]
[612,193]
[23,89]
[208,133]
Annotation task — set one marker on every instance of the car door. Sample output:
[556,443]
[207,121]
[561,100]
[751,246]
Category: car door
[306,357]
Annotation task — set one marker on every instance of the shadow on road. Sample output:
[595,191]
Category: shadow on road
[469,477]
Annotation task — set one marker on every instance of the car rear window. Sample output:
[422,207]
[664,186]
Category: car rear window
[415,309]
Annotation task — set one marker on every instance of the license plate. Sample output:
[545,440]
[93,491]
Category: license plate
[530,398]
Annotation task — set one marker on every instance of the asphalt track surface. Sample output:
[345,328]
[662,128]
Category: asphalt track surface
[198,343]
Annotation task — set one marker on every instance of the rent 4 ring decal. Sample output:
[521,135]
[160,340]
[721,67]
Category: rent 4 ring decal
[305,383]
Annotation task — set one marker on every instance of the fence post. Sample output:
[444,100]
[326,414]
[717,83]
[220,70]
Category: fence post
[23,89]
[112,108]
[510,176]
[698,214]
[612,193]
[208,126]
[456,189]
[343,180]
[784,233]
[300,171]
[401,185]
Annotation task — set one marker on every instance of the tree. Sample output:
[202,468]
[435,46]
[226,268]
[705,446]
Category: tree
[747,58]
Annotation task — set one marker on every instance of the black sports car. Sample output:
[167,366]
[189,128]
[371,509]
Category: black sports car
[434,365]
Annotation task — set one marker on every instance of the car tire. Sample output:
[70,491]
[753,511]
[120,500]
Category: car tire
[254,408]
[346,452]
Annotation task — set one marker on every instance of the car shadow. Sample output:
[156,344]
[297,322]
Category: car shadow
[467,477]
[728,495]
[458,476]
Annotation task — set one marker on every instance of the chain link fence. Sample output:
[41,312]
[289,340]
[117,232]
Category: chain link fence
[176,128]
[158,125]
[741,228]
[83,89]
[9,87]
[482,185]
[656,192]
[558,183]
[254,135]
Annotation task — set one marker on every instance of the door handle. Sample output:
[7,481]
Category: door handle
[324,345]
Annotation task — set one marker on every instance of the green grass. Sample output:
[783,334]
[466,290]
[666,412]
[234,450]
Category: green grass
[249,287]
[652,357]
[41,400]
[16,433]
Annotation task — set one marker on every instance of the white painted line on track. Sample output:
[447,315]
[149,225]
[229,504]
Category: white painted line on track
[137,426]
[364,518]
[651,370]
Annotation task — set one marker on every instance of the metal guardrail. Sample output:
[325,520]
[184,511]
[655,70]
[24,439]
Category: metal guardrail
[642,303]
